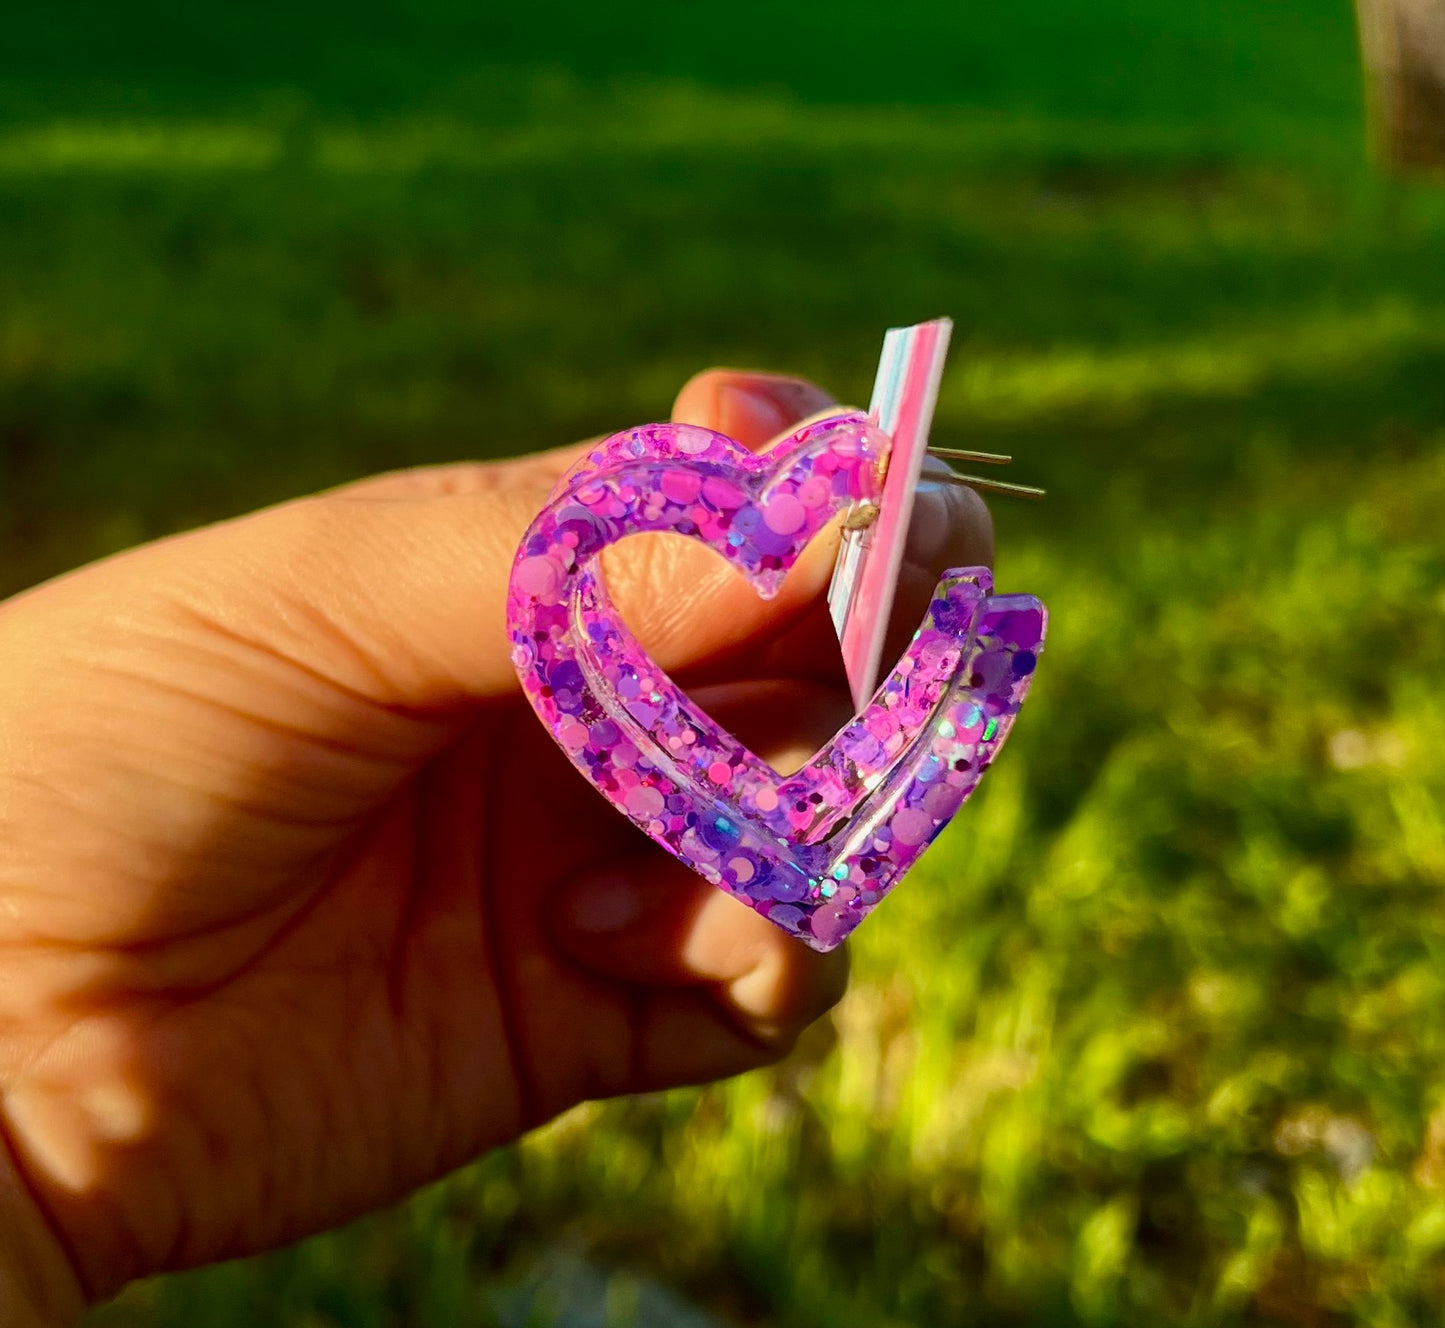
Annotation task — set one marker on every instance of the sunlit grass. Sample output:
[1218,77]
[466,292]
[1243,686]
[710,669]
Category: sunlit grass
[1156,1034]
[1299,350]
[552,118]
[137,148]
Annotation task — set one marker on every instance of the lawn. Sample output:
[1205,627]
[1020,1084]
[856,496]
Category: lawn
[1156,1035]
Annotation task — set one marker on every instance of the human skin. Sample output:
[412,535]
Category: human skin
[300,908]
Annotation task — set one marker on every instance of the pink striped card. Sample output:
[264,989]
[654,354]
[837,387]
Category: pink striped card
[865,576]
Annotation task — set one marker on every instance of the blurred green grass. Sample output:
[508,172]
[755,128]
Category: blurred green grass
[1157,1036]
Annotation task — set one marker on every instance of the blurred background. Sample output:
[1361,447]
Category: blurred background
[1156,1035]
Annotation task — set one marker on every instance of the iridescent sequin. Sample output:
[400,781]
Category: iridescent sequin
[816,850]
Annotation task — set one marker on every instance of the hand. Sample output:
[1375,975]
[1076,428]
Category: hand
[299,905]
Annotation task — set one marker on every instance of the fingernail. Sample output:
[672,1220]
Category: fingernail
[929,531]
[603,905]
[750,411]
[950,526]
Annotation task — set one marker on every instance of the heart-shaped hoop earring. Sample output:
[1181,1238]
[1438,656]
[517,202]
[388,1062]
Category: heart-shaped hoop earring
[814,851]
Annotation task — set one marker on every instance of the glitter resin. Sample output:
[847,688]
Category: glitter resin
[816,850]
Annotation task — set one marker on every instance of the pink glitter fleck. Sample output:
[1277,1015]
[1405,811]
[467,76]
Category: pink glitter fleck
[785,514]
[645,802]
[540,577]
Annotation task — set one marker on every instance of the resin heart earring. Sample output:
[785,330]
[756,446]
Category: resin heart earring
[816,850]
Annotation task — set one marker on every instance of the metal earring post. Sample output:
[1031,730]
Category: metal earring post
[977,481]
[992,486]
[959,454]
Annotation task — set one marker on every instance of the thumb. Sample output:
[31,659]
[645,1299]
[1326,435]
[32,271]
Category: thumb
[754,408]
[685,605]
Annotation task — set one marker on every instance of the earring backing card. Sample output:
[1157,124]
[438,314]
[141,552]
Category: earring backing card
[870,557]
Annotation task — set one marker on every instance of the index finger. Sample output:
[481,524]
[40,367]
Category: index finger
[537,470]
